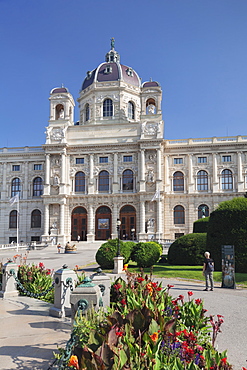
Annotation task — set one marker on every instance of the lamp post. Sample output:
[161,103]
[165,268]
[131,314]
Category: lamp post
[118,235]
[132,233]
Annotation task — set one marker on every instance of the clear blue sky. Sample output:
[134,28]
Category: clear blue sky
[196,50]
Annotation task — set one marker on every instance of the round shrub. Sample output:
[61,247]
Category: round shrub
[107,251]
[201,225]
[188,250]
[146,254]
[228,226]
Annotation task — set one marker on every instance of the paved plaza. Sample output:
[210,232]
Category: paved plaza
[29,335]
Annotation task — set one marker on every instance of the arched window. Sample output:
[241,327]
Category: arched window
[226,180]
[203,211]
[37,187]
[15,187]
[35,219]
[13,220]
[80,182]
[128,180]
[178,181]
[59,111]
[202,181]
[179,215]
[107,108]
[87,113]
[103,182]
[131,110]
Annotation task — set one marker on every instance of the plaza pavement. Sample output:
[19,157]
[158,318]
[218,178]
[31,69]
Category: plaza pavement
[28,335]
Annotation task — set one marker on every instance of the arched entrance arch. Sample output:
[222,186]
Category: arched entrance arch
[128,222]
[79,223]
[103,223]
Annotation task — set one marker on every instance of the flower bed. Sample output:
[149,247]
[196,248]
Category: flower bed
[145,328]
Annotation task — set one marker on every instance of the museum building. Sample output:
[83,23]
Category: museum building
[114,164]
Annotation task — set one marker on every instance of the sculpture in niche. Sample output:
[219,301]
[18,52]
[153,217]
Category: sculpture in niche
[150,223]
[150,176]
[61,113]
[151,109]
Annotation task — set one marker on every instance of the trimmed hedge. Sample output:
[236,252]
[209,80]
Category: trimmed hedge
[201,225]
[188,250]
[228,226]
[146,254]
[107,251]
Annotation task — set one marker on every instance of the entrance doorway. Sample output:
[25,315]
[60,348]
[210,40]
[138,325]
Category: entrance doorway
[103,223]
[128,223]
[79,224]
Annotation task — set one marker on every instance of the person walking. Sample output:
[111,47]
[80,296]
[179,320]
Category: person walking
[208,269]
[78,238]
[59,248]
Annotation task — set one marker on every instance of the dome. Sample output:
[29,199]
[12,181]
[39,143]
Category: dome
[112,70]
[150,84]
[59,90]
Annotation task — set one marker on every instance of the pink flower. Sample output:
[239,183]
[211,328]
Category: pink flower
[190,293]
[198,301]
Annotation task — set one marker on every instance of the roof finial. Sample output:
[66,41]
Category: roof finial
[112,43]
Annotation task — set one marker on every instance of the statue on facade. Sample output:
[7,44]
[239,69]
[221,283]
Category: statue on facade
[112,43]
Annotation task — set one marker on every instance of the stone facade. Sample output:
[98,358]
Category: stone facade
[114,164]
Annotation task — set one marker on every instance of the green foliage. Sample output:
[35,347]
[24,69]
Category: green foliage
[146,254]
[146,329]
[201,225]
[188,250]
[228,226]
[36,279]
[108,251]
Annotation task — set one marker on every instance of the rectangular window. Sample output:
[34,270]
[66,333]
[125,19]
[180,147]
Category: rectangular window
[79,160]
[178,160]
[37,167]
[226,158]
[16,167]
[103,159]
[202,159]
[127,158]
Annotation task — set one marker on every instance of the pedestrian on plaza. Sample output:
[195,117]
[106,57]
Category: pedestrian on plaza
[208,269]
[78,238]
[59,248]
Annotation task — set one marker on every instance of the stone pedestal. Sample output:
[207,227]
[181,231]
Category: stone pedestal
[118,265]
[86,296]
[62,292]
[9,286]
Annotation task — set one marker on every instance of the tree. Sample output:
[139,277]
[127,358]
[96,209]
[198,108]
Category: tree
[228,226]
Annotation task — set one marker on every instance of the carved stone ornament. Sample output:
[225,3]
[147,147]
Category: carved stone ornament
[58,134]
[150,129]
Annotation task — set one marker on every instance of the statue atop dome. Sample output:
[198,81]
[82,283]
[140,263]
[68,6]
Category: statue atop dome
[112,43]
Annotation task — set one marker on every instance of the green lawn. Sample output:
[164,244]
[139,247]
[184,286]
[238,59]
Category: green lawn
[185,272]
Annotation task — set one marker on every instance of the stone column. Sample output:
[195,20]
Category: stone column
[61,221]
[142,171]
[25,185]
[90,235]
[190,174]
[47,175]
[46,220]
[63,173]
[115,216]
[167,183]
[142,233]
[159,165]
[240,173]
[4,194]
[91,176]
[159,218]
[215,179]
[115,185]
